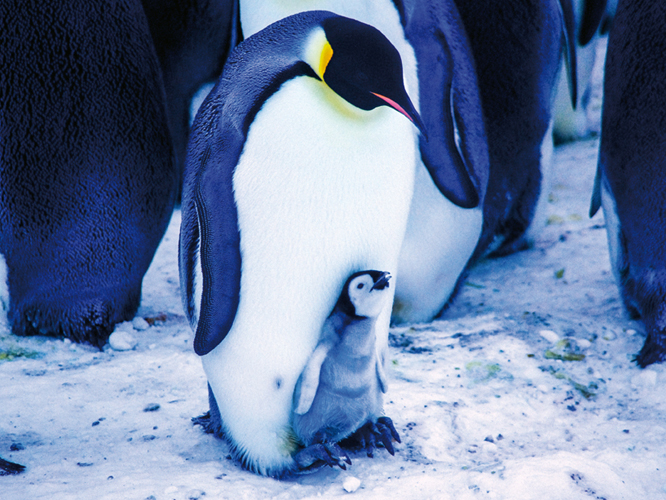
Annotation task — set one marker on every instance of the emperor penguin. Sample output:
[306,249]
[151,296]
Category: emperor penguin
[570,122]
[192,40]
[299,173]
[87,178]
[340,389]
[631,175]
[451,163]
[518,48]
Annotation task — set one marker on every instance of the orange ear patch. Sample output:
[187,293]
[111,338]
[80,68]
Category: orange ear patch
[325,58]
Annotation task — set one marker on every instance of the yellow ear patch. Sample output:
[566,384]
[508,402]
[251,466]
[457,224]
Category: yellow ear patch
[325,58]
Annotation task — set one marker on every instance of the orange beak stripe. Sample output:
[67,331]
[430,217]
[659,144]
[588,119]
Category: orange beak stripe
[394,105]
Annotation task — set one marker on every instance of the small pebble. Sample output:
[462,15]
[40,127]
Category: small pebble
[151,407]
[140,324]
[609,335]
[121,339]
[351,484]
[549,335]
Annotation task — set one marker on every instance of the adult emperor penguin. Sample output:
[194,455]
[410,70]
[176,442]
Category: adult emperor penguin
[571,123]
[192,40]
[517,47]
[631,178]
[340,390]
[452,162]
[299,173]
[87,180]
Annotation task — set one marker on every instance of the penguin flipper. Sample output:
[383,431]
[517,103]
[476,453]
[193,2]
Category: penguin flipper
[307,385]
[455,151]
[595,204]
[593,13]
[209,234]
[569,32]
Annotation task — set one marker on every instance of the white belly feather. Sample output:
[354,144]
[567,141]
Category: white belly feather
[320,194]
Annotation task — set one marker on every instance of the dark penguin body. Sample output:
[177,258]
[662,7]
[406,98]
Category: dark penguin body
[518,48]
[87,179]
[631,176]
[341,387]
[452,167]
[571,123]
[192,40]
[299,173]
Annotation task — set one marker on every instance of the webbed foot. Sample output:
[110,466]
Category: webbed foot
[367,437]
[317,455]
[654,349]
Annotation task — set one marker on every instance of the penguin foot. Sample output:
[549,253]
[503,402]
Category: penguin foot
[371,434]
[653,351]
[317,455]
[86,321]
[9,468]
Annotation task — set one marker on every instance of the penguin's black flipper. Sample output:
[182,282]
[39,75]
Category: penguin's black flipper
[569,31]
[593,13]
[595,204]
[209,229]
[10,468]
[455,151]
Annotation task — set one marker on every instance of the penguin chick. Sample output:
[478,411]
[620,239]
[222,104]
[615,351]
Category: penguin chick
[340,388]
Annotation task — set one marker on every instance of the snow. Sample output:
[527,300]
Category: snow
[525,389]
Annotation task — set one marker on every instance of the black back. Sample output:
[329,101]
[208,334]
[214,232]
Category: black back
[87,180]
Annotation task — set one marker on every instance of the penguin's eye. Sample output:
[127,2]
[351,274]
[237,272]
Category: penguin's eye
[360,286]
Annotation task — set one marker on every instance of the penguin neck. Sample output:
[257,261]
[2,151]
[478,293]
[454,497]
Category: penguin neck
[358,339]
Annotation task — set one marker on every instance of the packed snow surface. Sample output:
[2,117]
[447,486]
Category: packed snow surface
[524,389]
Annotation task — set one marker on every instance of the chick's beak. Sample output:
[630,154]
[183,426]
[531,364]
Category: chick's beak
[382,282]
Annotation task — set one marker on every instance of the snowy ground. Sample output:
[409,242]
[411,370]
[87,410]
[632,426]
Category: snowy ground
[525,389]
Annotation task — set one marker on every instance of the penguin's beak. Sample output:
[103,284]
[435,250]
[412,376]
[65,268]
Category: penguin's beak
[409,111]
[382,282]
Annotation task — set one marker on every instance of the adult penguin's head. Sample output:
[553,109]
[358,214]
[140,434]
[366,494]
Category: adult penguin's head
[359,64]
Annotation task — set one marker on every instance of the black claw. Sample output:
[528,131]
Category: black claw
[385,437]
[317,455]
[388,423]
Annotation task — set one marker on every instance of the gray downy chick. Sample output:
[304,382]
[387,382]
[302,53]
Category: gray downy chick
[339,393]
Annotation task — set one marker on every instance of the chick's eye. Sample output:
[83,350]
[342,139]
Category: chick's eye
[360,286]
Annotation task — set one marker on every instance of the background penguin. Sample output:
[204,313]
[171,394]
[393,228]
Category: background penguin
[452,167]
[631,177]
[87,180]
[518,51]
[192,39]
[569,123]
[299,173]
[341,386]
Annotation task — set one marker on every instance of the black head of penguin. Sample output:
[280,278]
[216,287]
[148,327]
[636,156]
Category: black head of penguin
[357,291]
[364,68]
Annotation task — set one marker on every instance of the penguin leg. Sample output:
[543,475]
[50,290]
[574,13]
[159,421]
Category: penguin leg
[366,437]
[654,348]
[317,455]
[8,468]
